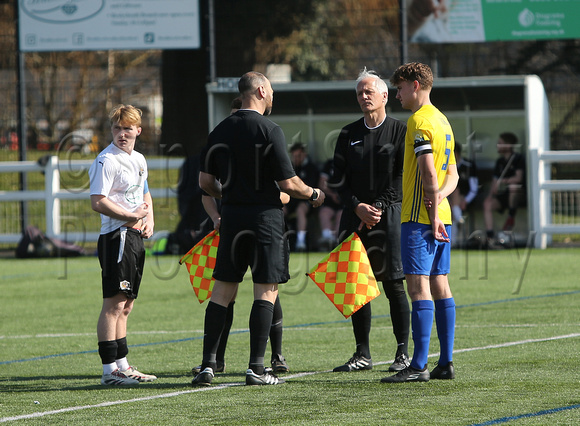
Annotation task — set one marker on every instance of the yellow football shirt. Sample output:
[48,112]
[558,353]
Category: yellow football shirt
[428,131]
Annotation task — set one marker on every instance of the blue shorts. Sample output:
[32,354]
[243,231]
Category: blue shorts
[421,253]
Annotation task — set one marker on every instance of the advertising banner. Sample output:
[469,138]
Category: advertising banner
[468,21]
[57,25]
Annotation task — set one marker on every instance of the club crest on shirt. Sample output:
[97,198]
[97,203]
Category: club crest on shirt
[418,137]
[125,285]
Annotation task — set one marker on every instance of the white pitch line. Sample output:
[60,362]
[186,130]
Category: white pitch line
[292,376]
[514,325]
[111,403]
[520,342]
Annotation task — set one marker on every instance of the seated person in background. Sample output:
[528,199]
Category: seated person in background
[467,187]
[309,173]
[508,185]
[194,222]
[330,212]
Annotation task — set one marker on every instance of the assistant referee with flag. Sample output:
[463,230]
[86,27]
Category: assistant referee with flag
[368,170]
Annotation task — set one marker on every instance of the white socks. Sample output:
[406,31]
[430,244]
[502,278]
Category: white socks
[122,363]
[109,368]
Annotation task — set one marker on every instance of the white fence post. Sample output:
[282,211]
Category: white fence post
[51,201]
[539,205]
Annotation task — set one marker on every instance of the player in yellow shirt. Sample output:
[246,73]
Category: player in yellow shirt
[429,176]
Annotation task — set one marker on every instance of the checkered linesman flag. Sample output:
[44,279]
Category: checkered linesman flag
[200,262]
[346,276]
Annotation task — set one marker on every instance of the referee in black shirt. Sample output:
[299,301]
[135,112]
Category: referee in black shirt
[246,165]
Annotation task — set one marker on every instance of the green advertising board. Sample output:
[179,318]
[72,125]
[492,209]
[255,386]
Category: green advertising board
[469,21]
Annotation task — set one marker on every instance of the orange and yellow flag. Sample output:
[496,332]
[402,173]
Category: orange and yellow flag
[200,262]
[346,276]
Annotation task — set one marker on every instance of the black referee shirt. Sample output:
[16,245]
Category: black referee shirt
[368,163]
[247,153]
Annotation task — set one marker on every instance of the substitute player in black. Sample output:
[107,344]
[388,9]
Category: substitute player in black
[467,187]
[245,164]
[507,189]
[368,170]
[309,173]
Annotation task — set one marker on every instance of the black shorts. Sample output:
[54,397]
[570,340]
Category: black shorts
[382,242]
[252,236]
[122,257]
[503,199]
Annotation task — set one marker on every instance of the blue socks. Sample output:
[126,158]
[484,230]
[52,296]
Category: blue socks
[421,323]
[445,319]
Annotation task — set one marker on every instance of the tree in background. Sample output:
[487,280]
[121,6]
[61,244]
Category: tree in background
[186,72]
[342,37]
[71,91]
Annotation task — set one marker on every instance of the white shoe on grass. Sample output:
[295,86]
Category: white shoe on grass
[117,378]
[132,373]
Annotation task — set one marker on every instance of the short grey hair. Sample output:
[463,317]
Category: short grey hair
[379,82]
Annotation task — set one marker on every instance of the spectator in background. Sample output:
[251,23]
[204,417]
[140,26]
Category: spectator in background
[330,212]
[507,187]
[309,173]
[467,187]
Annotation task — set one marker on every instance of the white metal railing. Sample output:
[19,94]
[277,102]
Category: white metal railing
[53,193]
[541,188]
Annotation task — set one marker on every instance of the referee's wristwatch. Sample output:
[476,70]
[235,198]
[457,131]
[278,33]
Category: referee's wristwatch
[314,196]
